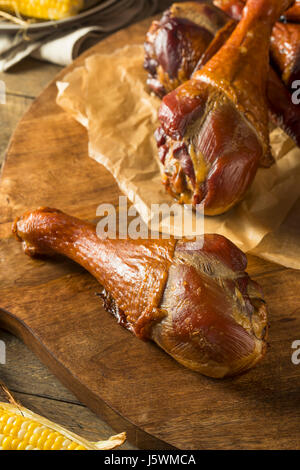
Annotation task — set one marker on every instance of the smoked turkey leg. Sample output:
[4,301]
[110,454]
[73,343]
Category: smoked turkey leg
[285,42]
[214,128]
[193,298]
[187,36]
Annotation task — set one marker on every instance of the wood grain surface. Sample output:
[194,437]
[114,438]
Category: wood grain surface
[134,386]
[29,379]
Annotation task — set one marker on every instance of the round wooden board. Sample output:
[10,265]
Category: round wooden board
[133,385]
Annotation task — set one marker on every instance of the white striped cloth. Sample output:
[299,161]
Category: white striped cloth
[63,45]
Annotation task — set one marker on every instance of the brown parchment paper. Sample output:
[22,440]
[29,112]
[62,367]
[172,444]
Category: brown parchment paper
[109,96]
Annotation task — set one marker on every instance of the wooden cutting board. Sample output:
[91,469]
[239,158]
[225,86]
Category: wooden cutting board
[52,305]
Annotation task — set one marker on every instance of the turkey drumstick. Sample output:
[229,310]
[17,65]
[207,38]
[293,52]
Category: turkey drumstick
[193,298]
[171,56]
[285,51]
[285,42]
[176,42]
[234,8]
[214,128]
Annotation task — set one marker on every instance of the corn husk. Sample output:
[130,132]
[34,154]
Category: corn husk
[15,407]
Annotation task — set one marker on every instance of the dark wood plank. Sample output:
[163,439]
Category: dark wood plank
[133,385]
[35,378]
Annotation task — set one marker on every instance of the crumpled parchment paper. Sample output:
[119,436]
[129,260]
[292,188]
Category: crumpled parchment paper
[109,96]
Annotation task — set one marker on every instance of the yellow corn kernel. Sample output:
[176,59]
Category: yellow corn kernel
[7,429]
[41,442]
[45,433]
[49,442]
[26,437]
[15,444]
[33,439]
[20,429]
[43,9]
[19,433]
[3,420]
[22,445]
[72,446]
[17,422]
[32,426]
[6,443]
[66,444]
[57,444]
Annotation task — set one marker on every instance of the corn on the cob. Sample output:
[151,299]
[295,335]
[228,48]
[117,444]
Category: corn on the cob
[43,9]
[21,429]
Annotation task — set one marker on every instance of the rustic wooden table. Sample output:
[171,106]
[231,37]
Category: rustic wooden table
[39,390]
[24,374]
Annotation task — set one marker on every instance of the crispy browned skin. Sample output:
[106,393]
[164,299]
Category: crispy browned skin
[234,8]
[293,13]
[193,298]
[283,112]
[214,128]
[168,48]
[285,49]
[285,40]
